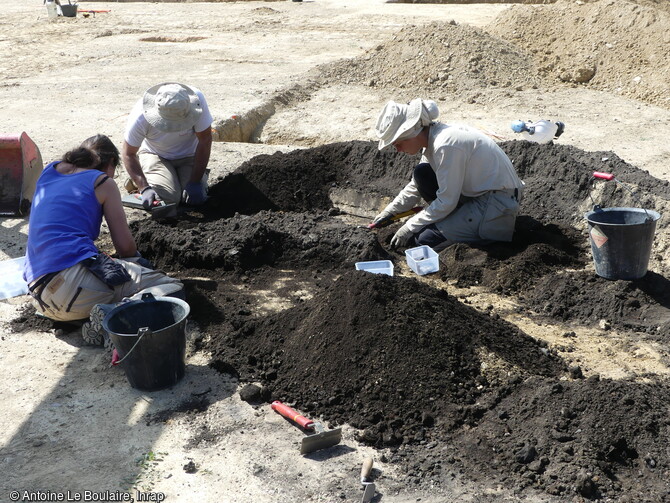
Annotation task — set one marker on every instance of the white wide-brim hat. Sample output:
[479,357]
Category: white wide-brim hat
[171,107]
[396,119]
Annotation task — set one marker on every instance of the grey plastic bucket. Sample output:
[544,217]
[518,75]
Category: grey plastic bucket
[621,240]
[150,337]
[69,10]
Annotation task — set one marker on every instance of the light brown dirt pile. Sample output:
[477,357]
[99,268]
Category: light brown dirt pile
[611,45]
[615,46]
[439,59]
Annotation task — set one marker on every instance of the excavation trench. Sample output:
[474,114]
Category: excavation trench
[247,126]
[439,385]
[269,267]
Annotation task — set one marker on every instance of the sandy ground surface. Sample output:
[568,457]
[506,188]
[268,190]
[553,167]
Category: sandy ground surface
[71,423]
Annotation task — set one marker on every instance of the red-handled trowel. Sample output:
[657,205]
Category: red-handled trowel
[159,210]
[318,438]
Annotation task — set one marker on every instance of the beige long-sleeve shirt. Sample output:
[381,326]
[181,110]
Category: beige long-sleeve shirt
[466,162]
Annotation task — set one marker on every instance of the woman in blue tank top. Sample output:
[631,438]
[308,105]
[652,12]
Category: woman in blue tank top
[69,279]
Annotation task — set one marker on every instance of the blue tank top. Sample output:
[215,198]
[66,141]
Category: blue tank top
[65,219]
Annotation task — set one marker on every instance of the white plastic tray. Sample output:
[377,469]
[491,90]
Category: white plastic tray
[376,267]
[422,260]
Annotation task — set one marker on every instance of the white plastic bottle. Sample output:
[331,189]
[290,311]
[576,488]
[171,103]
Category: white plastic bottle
[542,131]
[52,8]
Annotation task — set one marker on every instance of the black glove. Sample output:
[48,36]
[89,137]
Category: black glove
[143,262]
[149,197]
[105,268]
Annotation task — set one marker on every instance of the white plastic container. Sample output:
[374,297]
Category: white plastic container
[422,260]
[52,9]
[11,278]
[542,131]
[376,267]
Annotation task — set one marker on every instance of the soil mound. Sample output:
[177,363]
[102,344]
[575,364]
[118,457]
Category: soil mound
[303,180]
[611,45]
[596,439]
[440,59]
[277,209]
[511,268]
[582,297]
[266,238]
[385,354]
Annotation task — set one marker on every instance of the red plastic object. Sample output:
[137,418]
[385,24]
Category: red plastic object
[20,167]
[115,357]
[291,414]
[603,176]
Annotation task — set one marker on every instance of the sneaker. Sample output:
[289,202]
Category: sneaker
[92,331]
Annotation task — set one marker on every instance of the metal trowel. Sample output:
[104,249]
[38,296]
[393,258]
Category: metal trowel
[369,486]
[318,439]
[159,210]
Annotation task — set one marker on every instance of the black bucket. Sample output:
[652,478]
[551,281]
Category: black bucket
[150,337]
[69,10]
[621,240]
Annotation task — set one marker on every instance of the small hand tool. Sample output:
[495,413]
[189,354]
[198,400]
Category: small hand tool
[389,220]
[159,210]
[370,489]
[318,439]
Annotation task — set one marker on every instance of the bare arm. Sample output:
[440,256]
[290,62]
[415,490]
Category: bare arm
[202,153]
[109,196]
[132,165]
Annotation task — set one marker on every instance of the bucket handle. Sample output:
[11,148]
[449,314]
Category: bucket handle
[148,297]
[141,332]
[608,177]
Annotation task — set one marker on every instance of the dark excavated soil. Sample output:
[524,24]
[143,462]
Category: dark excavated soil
[444,387]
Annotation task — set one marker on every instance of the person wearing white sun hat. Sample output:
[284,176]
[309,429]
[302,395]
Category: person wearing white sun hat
[470,189]
[167,144]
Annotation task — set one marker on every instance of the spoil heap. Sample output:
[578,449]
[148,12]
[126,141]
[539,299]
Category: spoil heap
[438,60]
[416,371]
[610,45]
[615,46]
[440,385]
[276,210]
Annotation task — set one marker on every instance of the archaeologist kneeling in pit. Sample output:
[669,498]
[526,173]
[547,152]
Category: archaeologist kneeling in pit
[68,278]
[167,144]
[469,184]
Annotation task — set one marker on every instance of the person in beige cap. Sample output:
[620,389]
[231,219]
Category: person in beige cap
[470,188]
[167,144]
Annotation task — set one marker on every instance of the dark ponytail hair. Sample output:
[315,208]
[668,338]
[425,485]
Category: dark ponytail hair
[95,152]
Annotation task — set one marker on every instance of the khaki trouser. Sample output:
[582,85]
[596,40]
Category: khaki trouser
[72,293]
[489,217]
[167,177]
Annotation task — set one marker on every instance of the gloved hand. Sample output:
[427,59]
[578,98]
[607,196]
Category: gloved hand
[194,193]
[139,259]
[145,263]
[382,216]
[149,197]
[402,237]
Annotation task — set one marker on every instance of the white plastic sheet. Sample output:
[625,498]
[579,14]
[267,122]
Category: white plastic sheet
[11,278]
